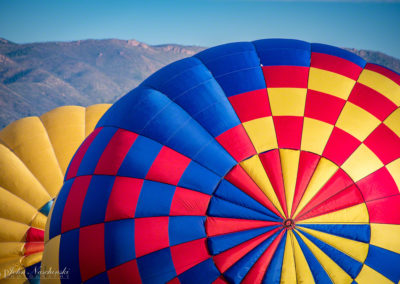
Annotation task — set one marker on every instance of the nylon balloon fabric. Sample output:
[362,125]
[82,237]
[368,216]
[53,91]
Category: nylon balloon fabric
[273,161]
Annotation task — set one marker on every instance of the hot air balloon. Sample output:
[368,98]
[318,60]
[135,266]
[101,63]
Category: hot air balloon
[273,161]
[34,155]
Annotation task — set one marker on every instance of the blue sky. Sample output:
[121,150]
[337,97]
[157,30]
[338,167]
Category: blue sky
[373,25]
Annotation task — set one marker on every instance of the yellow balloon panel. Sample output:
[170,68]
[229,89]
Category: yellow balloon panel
[9,249]
[14,208]
[287,101]
[29,140]
[381,84]
[315,135]
[92,116]
[12,231]
[357,121]
[289,163]
[65,127]
[261,132]
[330,83]
[361,163]
[17,179]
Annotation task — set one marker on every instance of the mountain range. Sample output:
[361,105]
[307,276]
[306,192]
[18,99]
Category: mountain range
[37,77]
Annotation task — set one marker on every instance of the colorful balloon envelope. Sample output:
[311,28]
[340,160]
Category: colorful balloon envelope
[34,155]
[274,161]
